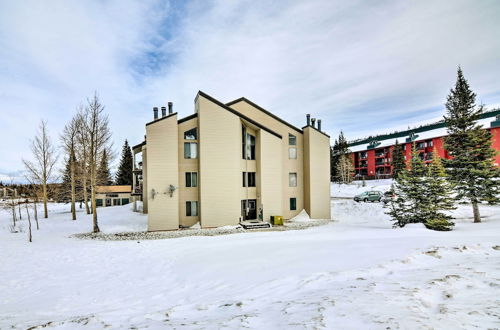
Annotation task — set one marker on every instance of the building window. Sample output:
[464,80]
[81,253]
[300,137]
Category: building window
[292,179]
[248,179]
[293,204]
[192,134]
[192,209]
[292,153]
[250,146]
[292,140]
[98,202]
[191,179]
[430,143]
[190,150]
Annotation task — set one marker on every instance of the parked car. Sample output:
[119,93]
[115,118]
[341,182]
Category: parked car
[371,196]
[388,196]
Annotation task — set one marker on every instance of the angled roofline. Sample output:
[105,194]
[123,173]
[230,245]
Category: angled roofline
[317,130]
[420,129]
[194,115]
[159,119]
[242,116]
[139,145]
[264,111]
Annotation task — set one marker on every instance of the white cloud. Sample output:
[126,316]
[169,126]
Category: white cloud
[360,66]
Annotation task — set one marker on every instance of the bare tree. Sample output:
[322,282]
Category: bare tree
[345,169]
[30,238]
[96,123]
[82,151]
[69,140]
[41,170]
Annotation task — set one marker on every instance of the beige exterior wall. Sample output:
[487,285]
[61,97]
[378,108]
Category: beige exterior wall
[219,164]
[288,165]
[144,180]
[317,174]
[104,196]
[163,171]
[187,165]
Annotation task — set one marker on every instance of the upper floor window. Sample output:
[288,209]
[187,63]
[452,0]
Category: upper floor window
[292,153]
[191,179]
[292,140]
[192,134]
[248,179]
[247,144]
[292,179]
[190,150]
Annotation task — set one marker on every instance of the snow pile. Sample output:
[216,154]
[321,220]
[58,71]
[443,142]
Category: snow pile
[301,217]
[356,187]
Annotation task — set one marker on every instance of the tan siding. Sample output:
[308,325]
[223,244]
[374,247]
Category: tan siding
[220,176]
[162,170]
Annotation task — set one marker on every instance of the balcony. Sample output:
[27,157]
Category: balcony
[137,190]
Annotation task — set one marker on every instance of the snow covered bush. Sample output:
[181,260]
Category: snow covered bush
[439,224]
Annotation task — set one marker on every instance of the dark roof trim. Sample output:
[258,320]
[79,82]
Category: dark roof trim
[194,115]
[424,128]
[317,130]
[253,122]
[264,111]
[139,145]
[159,119]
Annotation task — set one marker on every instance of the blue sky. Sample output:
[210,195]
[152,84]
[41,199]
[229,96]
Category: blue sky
[360,66]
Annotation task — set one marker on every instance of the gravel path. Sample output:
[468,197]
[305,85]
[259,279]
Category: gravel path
[129,236]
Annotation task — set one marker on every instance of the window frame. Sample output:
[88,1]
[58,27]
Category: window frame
[290,153]
[189,208]
[290,176]
[190,156]
[190,182]
[293,203]
[292,140]
[195,129]
[249,179]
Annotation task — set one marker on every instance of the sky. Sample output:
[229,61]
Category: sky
[364,67]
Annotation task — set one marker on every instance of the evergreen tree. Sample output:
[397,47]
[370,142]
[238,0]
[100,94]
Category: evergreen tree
[103,173]
[339,150]
[471,168]
[124,174]
[398,160]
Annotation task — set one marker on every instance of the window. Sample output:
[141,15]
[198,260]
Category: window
[247,144]
[192,209]
[292,153]
[190,150]
[98,202]
[191,179]
[248,179]
[293,204]
[243,142]
[192,134]
[292,179]
[430,143]
[292,140]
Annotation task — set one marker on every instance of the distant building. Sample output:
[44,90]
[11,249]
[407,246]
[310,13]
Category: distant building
[113,195]
[229,163]
[373,156]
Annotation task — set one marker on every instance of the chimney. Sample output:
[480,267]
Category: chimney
[170,110]
[163,111]
[319,125]
[313,122]
[155,112]
[308,117]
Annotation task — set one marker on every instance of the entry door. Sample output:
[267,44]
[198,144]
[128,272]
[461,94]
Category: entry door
[248,209]
[108,201]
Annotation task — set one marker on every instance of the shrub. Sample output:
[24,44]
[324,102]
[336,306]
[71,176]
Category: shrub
[439,224]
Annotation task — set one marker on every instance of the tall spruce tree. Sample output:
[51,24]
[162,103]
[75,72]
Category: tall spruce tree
[398,160]
[339,150]
[471,168]
[124,174]
[103,173]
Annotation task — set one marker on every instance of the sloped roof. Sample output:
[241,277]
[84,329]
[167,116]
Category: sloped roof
[113,189]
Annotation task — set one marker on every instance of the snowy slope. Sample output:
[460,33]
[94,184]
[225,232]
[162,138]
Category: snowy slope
[356,272]
[356,187]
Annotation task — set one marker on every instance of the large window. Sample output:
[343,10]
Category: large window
[292,153]
[192,134]
[191,209]
[248,179]
[190,150]
[292,179]
[247,144]
[191,179]
[292,140]
[293,204]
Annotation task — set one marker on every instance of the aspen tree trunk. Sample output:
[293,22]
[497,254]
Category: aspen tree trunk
[19,209]
[73,192]
[29,223]
[13,211]
[36,212]
[85,195]
[45,198]
[475,209]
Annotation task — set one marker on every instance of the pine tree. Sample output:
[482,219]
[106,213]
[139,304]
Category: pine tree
[124,174]
[103,174]
[471,168]
[398,160]
[439,196]
[340,149]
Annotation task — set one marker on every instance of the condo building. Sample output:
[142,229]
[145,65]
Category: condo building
[230,163]
[372,156]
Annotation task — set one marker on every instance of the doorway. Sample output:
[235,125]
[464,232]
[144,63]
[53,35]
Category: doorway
[108,201]
[248,209]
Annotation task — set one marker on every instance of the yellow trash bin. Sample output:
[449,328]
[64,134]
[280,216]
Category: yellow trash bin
[277,220]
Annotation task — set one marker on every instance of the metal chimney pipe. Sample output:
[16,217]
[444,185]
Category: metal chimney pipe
[163,111]
[319,124]
[170,106]
[155,112]
[308,117]
[313,122]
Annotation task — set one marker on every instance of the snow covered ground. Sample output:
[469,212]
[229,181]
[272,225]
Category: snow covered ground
[354,273]
[356,187]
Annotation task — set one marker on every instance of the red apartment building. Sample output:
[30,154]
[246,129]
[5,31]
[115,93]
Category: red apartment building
[373,156]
